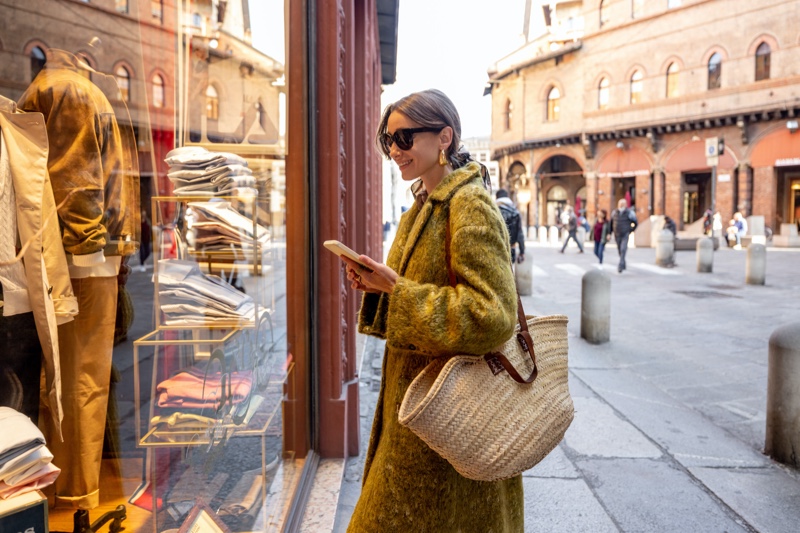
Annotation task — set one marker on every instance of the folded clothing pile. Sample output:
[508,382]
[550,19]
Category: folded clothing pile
[216,226]
[25,461]
[188,297]
[195,171]
[195,388]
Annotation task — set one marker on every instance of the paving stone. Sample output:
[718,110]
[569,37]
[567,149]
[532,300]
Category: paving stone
[648,496]
[563,506]
[768,498]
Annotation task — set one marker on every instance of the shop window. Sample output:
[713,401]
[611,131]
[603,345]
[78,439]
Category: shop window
[38,59]
[672,80]
[159,95]
[212,103]
[553,104]
[763,54]
[715,71]
[602,94]
[123,82]
[636,87]
[122,6]
[507,115]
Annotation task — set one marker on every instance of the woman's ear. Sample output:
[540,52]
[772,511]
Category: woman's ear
[445,137]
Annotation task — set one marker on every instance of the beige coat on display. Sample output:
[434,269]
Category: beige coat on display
[49,286]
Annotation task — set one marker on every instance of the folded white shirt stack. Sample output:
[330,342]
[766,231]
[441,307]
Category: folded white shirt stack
[25,461]
[194,171]
[216,226]
[187,296]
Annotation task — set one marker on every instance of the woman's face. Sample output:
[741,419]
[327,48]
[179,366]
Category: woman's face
[422,159]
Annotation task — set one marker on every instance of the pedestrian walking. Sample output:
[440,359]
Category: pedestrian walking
[513,220]
[600,234]
[623,222]
[410,302]
[572,228]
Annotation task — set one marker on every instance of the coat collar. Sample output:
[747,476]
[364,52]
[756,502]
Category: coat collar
[62,59]
[441,194]
[449,185]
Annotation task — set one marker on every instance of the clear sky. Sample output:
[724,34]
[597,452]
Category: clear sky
[442,44]
[449,45]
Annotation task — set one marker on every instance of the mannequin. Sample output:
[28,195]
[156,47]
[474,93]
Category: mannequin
[95,182]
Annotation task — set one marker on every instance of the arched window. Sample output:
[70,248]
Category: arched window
[672,80]
[636,87]
[507,115]
[123,82]
[602,94]
[553,107]
[159,95]
[212,103]
[763,53]
[38,60]
[603,16]
[715,71]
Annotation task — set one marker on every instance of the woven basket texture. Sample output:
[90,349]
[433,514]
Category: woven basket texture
[491,427]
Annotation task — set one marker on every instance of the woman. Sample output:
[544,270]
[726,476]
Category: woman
[410,302]
[600,234]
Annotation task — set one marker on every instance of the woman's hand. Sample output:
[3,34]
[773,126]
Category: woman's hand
[375,279]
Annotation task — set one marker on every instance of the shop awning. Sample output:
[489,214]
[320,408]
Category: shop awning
[778,149]
[624,162]
[692,156]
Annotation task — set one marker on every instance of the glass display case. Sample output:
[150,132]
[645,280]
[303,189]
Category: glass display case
[210,379]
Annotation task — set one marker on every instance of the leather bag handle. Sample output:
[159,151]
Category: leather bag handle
[497,361]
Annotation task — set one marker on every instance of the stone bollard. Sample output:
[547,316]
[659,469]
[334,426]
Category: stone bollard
[783,395]
[596,306]
[523,275]
[665,249]
[554,236]
[756,269]
[542,234]
[705,254]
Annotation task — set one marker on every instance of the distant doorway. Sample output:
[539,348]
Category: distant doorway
[624,188]
[696,195]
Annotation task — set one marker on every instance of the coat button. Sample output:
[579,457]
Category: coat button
[412,347]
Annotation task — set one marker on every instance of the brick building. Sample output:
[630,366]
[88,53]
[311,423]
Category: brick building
[617,97]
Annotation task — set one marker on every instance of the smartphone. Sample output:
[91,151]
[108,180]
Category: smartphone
[342,250]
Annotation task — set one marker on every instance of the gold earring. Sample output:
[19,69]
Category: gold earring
[442,159]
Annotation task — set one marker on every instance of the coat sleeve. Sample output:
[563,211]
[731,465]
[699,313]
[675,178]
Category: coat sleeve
[476,315]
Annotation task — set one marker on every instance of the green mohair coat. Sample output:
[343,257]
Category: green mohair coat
[407,486]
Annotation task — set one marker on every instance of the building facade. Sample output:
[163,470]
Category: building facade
[295,138]
[613,99]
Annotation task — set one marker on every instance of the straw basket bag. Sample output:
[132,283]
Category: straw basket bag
[481,415]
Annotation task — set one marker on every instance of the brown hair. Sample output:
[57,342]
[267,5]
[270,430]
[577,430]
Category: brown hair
[431,109]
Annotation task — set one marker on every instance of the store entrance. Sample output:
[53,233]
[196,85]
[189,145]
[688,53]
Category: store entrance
[696,195]
[624,188]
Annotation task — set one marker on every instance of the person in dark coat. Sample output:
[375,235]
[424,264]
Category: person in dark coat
[623,222]
[513,221]
[409,301]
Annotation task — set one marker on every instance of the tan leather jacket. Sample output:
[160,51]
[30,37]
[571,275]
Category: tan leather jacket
[90,157]
[49,286]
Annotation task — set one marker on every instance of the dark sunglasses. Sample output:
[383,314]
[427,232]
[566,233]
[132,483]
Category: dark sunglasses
[404,138]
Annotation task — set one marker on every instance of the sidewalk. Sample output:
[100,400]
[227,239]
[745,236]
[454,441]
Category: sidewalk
[670,414]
